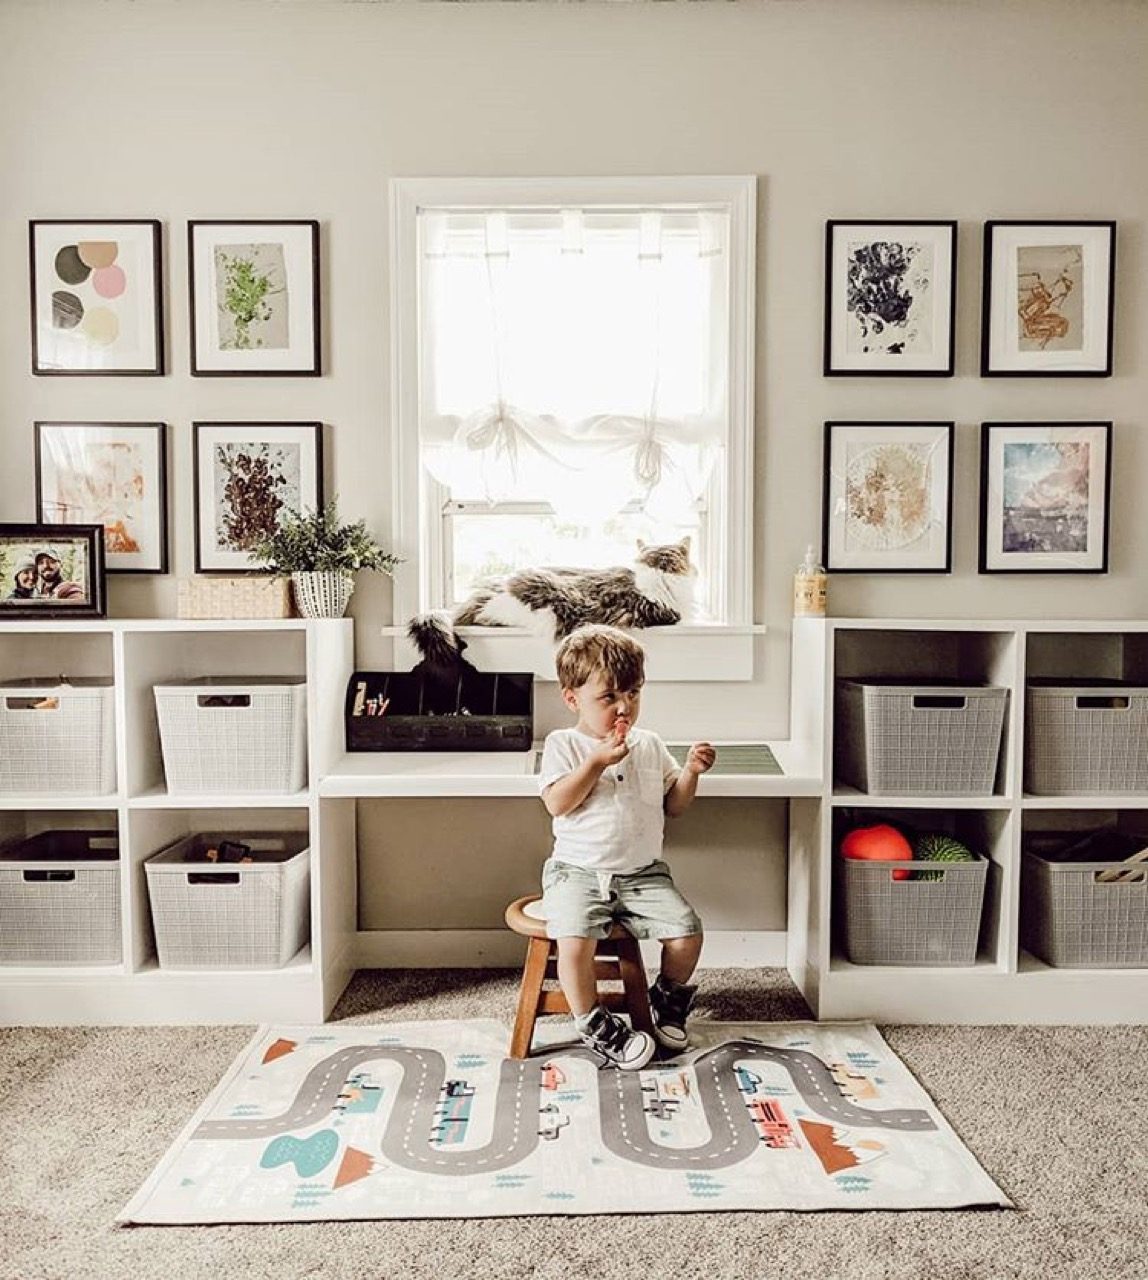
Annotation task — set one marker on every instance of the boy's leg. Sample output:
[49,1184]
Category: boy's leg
[680,958]
[576,973]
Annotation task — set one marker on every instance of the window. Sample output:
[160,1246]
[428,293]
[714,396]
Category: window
[573,372]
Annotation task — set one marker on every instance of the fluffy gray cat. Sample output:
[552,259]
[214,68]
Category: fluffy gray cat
[656,591]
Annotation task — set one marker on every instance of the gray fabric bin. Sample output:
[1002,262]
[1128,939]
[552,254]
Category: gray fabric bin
[1072,919]
[60,900]
[1085,737]
[912,921]
[230,915]
[903,738]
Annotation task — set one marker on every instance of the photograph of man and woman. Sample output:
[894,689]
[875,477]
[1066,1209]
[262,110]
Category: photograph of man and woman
[32,572]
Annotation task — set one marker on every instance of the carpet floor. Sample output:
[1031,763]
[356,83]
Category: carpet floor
[1057,1116]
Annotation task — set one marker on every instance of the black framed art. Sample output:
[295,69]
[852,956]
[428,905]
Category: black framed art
[97,305]
[109,473]
[890,298]
[887,501]
[1045,497]
[254,298]
[1047,300]
[247,476]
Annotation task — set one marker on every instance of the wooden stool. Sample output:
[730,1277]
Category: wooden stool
[617,958]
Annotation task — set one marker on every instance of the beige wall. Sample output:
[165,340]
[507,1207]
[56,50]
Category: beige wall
[967,109]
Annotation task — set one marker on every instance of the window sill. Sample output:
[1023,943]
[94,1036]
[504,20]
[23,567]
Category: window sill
[673,654]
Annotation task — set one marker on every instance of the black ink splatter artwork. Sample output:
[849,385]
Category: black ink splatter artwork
[886,284]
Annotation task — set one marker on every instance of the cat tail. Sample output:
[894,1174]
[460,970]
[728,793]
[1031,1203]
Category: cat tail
[434,636]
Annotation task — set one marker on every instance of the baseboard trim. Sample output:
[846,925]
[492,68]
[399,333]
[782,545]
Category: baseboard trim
[501,949]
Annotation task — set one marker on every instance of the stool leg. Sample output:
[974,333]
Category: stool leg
[634,983]
[529,994]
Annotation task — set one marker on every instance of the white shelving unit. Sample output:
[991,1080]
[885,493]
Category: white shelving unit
[136,654]
[1006,984]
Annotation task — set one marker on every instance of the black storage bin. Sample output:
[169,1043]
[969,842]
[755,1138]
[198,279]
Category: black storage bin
[464,711]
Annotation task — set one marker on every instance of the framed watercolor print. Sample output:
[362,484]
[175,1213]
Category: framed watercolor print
[96,297]
[1047,302]
[888,497]
[247,476]
[254,289]
[1045,497]
[51,571]
[889,298]
[112,474]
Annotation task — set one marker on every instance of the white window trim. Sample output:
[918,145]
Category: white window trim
[413,579]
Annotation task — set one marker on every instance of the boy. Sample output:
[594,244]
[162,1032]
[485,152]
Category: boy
[607,786]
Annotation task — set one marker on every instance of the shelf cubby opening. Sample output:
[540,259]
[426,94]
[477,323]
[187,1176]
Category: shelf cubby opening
[984,831]
[155,657]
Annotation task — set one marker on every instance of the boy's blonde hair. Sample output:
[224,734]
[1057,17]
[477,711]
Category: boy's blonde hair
[600,650]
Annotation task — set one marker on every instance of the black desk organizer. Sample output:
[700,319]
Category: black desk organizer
[463,710]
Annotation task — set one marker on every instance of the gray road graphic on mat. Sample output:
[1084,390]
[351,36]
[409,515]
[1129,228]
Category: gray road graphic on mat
[515,1131]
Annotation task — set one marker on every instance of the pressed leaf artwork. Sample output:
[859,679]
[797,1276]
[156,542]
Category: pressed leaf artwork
[253,303]
[888,490]
[254,484]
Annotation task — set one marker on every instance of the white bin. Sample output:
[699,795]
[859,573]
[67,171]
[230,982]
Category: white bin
[229,915]
[57,738]
[230,734]
[60,899]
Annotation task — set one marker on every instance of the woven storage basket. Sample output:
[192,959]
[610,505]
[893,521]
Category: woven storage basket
[911,922]
[907,739]
[1072,919]
[233,734]
[249,597]
[57,738]
[224,915]
[60,899]
[1087,737]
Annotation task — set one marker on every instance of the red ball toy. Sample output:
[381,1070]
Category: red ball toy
[880,843]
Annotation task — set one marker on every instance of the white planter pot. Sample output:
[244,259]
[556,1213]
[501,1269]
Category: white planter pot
[322,595]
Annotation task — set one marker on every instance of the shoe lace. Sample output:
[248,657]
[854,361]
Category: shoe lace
[610,1035]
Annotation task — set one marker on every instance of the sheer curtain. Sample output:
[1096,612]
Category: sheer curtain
[575,356]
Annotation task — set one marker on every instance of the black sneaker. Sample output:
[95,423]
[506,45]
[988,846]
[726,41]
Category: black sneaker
[620,1046]
[670,1004]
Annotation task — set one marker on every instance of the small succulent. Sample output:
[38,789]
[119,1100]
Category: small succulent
[314,541]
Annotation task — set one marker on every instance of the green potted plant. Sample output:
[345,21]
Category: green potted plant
[321,557]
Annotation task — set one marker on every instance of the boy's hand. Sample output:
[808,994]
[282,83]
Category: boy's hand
[701,758]
[615,748]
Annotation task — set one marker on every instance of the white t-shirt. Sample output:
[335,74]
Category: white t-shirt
[618,827]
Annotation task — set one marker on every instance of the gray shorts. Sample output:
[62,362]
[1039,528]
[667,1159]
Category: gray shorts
[647,902]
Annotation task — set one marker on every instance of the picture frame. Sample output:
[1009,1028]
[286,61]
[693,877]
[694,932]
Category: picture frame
[245,475]
[887,503]
[1045,497]
[96,297]
[890,298]
[1047,299]
[112,474]
[52,571]
[254,297]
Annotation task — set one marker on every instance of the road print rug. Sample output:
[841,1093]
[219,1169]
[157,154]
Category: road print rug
[430,1120]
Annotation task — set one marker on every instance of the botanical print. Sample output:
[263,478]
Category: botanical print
[888,495]
[1046,496]
[1050,297]
[100,483]
[252,300]
[49,573]
[253,485]
[888,298]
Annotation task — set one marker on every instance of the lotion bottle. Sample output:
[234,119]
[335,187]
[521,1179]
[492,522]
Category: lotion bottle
[809,587]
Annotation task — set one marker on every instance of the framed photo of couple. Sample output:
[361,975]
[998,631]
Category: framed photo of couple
[51,571]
